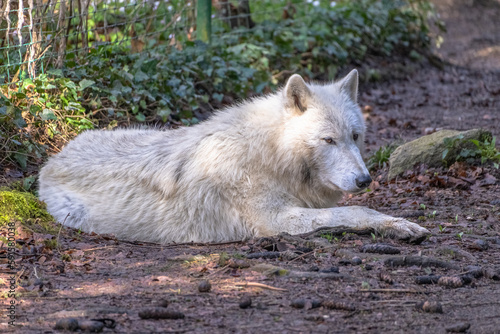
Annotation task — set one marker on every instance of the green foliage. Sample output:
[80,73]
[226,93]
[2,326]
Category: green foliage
[37,112]
[24,185]
[484,150]
[450,145]
[327,236]
[380,158]
[173,80]
[165,82]
[487,151]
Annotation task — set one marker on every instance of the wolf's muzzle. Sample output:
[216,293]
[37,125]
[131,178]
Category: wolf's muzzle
[363,181]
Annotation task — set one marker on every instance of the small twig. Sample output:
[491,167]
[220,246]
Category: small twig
[390,290]
[59,233]
[264,255]
[335,230]
[319,275]
[303,255]
[97,248]
[25,254]
[218,271]
[20,274]
[464,179]
[311,252]
[259,285]
[35,273]
[200,244]
[204,244]
[65,297]
[424,261]
[388,301]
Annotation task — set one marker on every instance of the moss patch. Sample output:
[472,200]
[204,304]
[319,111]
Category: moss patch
[21,206]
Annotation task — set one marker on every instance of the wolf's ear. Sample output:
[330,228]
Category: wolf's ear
[350,85]
[297,94]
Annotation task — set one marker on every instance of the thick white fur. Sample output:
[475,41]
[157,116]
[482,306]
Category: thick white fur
[256,169]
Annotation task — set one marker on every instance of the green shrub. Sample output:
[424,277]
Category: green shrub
[380,158]
[486,151]
[40,113]
[110,85]
[473,149]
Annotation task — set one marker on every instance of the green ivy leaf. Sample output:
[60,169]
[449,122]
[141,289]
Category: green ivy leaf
[70,85]
[85,83]
[164,113]
[22,159]
[48,86]
[34,109]
[445,153]
[47,114]
[218,96]
[140,117]
[55,72]
[140,76]
[475,142]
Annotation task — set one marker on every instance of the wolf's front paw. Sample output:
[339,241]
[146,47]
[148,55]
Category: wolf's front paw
[403,229]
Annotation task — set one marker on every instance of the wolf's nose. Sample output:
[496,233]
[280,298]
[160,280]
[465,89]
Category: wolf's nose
[363,181]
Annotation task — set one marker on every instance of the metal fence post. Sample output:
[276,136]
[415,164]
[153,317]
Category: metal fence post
[204,20]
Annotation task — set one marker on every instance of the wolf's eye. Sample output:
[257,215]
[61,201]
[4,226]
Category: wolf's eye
[329,140]
[355,136]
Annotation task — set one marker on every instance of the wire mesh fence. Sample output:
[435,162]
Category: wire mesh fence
[39,34]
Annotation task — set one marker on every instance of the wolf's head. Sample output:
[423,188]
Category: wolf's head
[326,123]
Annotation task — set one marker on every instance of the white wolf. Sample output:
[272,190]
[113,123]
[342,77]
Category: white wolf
[278,163]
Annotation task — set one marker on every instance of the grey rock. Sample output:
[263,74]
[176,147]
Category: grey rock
[429,150]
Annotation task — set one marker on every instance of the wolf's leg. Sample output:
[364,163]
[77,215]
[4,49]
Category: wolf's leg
[65,206]
[301,220]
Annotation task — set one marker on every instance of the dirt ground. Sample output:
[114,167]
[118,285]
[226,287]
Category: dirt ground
[326,282]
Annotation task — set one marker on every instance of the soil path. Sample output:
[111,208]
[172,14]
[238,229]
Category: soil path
[97,277]
[473,38]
